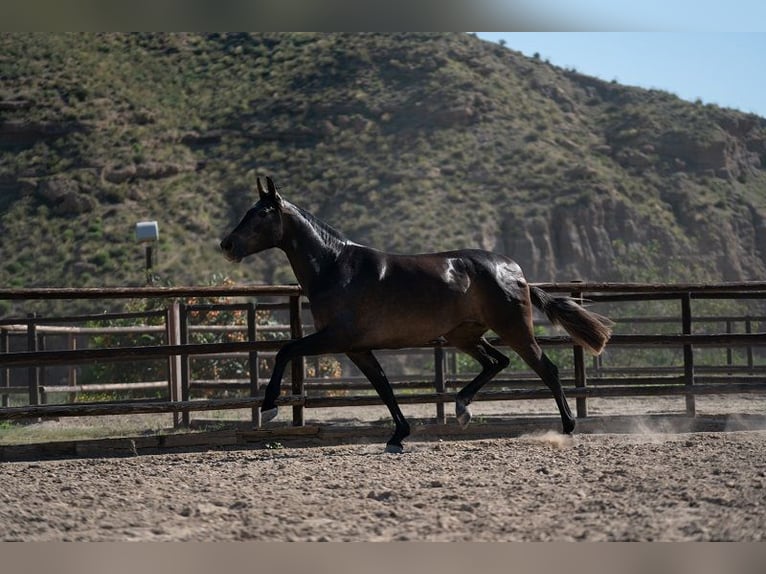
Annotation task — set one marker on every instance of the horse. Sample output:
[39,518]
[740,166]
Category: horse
[362,299]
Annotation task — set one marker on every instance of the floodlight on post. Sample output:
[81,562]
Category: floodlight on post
[148,232]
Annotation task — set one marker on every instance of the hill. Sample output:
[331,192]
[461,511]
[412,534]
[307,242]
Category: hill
[407,142]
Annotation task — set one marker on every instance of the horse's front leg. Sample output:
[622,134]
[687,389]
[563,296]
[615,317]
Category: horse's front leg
[319,343]
[369,365]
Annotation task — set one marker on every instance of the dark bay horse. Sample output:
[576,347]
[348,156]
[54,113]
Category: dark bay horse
[363,299]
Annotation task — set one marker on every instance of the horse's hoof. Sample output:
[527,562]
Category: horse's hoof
[463,419]
[569,426]
[394,449]
[462,413]
[269,415]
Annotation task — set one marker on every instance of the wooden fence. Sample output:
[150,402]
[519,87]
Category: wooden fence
[582,380]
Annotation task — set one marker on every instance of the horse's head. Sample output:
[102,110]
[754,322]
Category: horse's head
[260,228]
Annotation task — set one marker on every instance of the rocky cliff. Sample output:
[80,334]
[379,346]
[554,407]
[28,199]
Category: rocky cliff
[408,142]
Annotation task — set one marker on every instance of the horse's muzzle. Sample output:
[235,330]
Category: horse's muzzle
[227,247]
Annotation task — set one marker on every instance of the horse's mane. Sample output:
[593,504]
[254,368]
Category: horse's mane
[329,235]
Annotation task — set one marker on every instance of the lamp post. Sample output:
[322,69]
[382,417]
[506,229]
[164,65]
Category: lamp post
[148,232]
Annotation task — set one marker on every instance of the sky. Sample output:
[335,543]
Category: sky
[644,16]
[723,68]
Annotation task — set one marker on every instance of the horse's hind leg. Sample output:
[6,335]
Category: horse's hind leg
[528,349]
[469,339]
[513,323]
[492,362]
[371,369]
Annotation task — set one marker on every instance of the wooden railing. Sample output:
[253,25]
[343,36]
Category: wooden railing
[581,382]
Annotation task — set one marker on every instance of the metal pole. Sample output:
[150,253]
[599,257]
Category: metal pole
[149,277]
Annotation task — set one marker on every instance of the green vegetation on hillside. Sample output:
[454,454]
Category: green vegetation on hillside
[408,142]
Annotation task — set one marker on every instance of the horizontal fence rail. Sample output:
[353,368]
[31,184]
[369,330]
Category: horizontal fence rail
[178,353]
[148,292]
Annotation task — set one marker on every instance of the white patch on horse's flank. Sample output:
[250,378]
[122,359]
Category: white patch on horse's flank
[456,278]
[550,438]
[449,272]
[382,270]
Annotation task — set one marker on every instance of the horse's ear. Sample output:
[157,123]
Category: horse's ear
[261,191]
[272,190]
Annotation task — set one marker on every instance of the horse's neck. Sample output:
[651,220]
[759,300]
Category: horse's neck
[312,247]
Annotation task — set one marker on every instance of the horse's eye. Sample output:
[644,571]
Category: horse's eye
[262,213]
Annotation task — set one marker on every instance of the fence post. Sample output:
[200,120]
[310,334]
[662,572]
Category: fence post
[439,382]
[729,357]
[296,332]
[183,315]
[254,371]
[579,370]
[72,372]
[5,373]
[41,372]
[173,325]
[749,348]
[686,329]
[33,373]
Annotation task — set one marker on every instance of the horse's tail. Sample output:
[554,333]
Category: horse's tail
[588,329]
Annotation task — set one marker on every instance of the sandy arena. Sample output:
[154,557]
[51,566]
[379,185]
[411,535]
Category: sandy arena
[651,485]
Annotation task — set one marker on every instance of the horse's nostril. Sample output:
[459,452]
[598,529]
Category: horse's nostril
[226,244]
